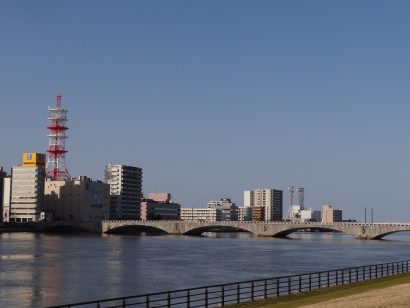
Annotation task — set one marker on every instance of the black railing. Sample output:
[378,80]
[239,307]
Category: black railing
[245,291]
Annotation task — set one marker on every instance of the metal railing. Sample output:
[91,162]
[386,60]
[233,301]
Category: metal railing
[252,290]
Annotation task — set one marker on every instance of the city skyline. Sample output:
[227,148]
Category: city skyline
[247,96]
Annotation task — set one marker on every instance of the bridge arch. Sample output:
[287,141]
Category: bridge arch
[211,228]
[286,232]
[136,229]
[380,236]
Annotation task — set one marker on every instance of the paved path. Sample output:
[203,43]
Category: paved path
[395,296]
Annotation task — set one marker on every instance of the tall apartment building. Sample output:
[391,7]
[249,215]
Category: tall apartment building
[125,191]
[27,188]
[330,215]
[270,199]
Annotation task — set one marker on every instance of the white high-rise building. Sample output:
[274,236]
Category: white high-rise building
[270,199]
[6,196]
[125,191]
[27,193]
[248,198]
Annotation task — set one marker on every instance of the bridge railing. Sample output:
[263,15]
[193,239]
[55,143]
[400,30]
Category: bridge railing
[252,290]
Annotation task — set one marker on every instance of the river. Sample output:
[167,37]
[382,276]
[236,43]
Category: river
[48,269]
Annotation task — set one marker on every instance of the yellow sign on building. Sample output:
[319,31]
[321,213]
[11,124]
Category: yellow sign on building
[34,159]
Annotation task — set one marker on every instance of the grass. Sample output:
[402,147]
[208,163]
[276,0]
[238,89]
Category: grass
[326,294]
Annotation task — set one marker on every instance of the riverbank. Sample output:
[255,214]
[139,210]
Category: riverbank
[51,227]
[384,292]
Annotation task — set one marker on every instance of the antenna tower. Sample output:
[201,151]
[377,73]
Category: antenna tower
[57,118]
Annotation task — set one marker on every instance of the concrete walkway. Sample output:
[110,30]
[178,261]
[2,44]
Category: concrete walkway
[395,296]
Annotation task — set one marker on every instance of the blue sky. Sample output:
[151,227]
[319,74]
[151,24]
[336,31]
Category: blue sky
[214,97]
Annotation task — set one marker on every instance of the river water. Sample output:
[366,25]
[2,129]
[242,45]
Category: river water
[43,269]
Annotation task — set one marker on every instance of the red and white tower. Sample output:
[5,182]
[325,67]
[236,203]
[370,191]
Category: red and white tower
[57,118]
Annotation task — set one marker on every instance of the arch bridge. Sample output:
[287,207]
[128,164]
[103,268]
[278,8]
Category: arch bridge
[271,229]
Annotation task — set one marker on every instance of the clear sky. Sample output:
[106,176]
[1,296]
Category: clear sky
[212,98]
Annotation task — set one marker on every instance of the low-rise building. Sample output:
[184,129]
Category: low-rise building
[160,197]
[330,215]
[199,214]
[78,200]
[159,207]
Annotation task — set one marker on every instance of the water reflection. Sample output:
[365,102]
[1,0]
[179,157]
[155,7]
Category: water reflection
[42,269]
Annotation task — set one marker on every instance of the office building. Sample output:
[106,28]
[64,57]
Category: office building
[159,207]
[160,197]
[78,200]
[227,210]
[244,213]
[270,199]
[317,216]
[330,215]
[125,191]
[27,188]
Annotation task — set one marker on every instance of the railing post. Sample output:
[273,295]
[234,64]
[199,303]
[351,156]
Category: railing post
[238,297]
[377,271]
[300,283]
[310,282]
[357,274]
[363,273]
[370,270]
[123,303]
[328,279]
[223,296]
[169,300]
[350,275]
[289,285]
[252,291]
[98,305]
[337,277]
[206,297]
[188,299]
[265,289]
[147,302]
[277,288]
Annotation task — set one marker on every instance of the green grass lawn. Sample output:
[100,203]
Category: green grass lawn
[326,294]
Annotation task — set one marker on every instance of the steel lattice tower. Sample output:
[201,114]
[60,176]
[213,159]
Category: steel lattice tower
[57,118]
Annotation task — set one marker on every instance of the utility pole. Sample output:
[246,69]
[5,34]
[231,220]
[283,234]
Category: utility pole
[365,215]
